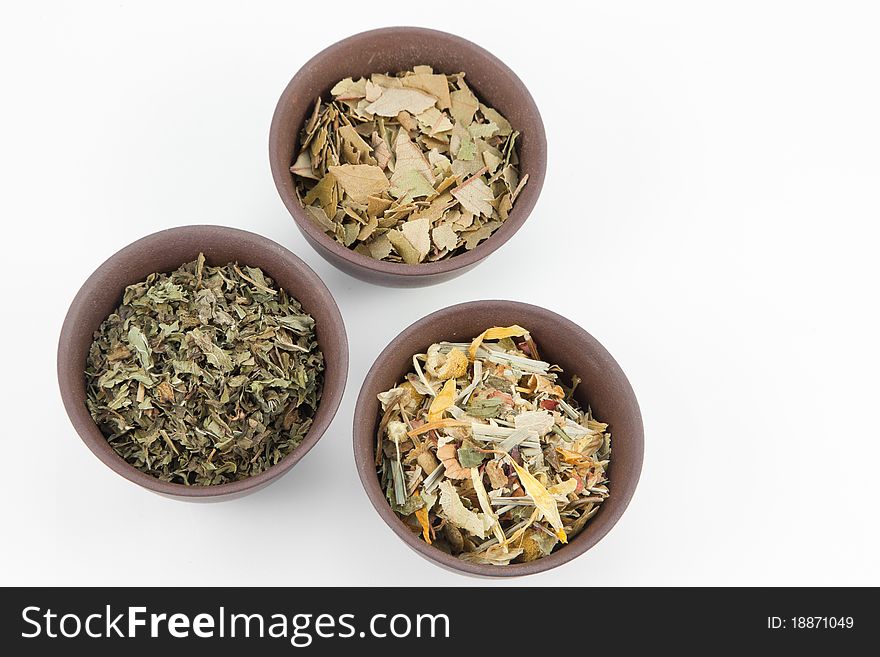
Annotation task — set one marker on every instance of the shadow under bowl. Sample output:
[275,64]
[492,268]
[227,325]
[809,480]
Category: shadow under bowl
[165,251]
[604,388]
[390,50]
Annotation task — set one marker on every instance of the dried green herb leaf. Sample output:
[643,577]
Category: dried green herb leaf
[485,408]
[214,354]
[205,375]
[470,457]
[138,342]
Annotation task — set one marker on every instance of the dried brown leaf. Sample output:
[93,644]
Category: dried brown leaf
[464,105]
[416,232]
[432,84]
[475,196]
[445,237]
[360,181]
[393,101]
[404,247]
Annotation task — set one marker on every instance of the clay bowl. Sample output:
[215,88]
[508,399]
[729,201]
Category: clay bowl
[396,49]
[164,252]
[605,388]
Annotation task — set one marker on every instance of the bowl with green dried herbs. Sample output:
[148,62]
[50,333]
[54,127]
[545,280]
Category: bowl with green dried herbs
[202,362]
[407,155]
[497,438]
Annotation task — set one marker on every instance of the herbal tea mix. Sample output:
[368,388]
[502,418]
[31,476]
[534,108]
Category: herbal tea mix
[486,455]
[407,168]
[205,375]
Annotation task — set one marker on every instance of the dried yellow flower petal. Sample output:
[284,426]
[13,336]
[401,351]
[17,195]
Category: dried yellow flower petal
[442,401]
[495,333]
[544,501]
[422,517]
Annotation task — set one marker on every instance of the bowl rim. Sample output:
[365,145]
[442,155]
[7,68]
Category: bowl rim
[364,445]
[92,436]
[517,217]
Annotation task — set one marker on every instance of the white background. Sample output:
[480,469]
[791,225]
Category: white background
[710,215]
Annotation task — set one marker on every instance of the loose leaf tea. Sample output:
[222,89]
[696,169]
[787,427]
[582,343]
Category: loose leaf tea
[485,455]
[407,168]
[205,375]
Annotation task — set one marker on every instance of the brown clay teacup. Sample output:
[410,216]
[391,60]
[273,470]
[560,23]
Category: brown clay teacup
[165,251]
[390,50]
[604,389]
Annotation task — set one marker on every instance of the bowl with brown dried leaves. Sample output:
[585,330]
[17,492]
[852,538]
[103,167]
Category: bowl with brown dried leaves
[202,362]
[497,438]
[407,155]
